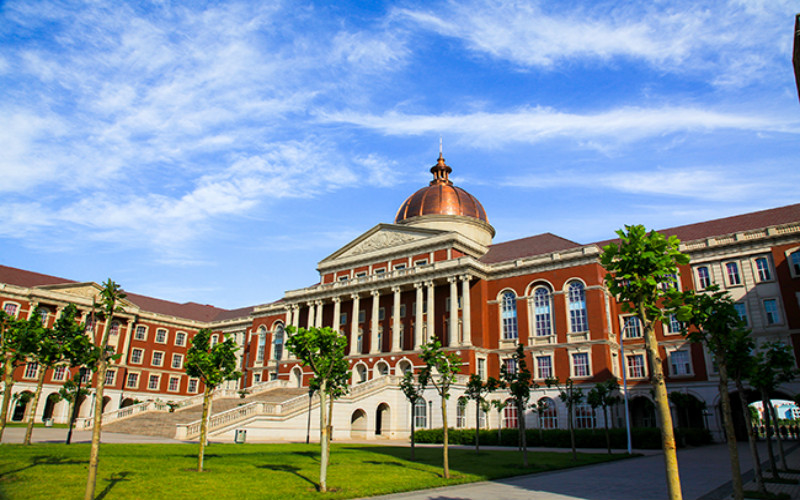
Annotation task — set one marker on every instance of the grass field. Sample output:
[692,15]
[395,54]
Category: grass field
[252,471]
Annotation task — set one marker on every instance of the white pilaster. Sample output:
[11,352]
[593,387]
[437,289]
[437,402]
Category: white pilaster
[311,318]
[318,317]
[466,311]
[354,325]
[373,344]
[418,317]
[452,334]
[396,345]
[431,331]
[337,311]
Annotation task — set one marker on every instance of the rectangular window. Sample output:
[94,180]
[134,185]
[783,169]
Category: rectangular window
[544,367]
[59,373]
[362,274]
[673,325]
[461,414]
[180,338]
[402,310]
[110,375]
[703,277]
[679,360]
[141,333]
[86,376]
[636,366]
[10,309]
[136,356]
[771,310]
[669,281]
[422,262]
[153,383]
[632,327]
[177,361]
[133,381]
[362,315]
[214,340]
[763,270]
[382,270]
[161,336]
[741,309]
[192,387]
[420,414]
[580,364]
[343,319]
[511,366]
[732,268]
[256,378]
[399,267]
[174,384]
[343,278]
[43,314]
[482,368]
[114,328]
[381,314]
[31,370]
[158,358]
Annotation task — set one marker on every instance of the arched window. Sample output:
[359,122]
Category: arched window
[461,413]
[420,414]
[510,415]
[361,373]
[577,307]
[549,418]
[360,341]
[262,342]
[277,342]
[584,417]
[543,311]
[508,314]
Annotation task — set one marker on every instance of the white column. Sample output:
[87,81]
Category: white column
[466,312]
[431,332]
[452,336]
[396,345]
[318,317]
[354,326]
[337,311]
[289,315]
[373,343]
[295,315]
[418,317]
[311,310]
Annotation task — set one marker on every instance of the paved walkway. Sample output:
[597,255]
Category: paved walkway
[59,435]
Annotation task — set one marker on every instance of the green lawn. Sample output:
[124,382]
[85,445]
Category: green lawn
[251,471]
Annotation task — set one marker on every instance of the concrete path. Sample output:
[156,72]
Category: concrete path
[59,435]
[704,473]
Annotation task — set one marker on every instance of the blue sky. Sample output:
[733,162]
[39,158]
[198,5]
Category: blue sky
[215,152]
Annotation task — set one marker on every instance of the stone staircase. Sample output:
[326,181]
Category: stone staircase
[163,423]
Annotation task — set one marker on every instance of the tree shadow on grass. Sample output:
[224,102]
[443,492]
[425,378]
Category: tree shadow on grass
[291,470]
[45,460]
[112,481]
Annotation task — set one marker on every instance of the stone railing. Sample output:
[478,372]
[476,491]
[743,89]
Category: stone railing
[129,411]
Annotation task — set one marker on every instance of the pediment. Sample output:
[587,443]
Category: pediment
[381,237]
[87,291]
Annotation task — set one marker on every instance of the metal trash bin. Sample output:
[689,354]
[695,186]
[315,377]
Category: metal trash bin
[240,436]
[48,422]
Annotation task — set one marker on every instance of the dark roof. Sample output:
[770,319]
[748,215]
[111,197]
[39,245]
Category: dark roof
[527,247]
[730,225]
[188,310]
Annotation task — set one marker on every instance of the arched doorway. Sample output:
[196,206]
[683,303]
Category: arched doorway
[381,418]
[751,396]
[358,424]
[688,409]
[643,412]
[403,367]
[21,407]
[297,377]
[127,402]
[106,400]
[50,405]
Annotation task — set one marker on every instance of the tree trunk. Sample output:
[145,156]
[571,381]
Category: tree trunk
[571,430]
[94,456]
[778,437]
[767,421]
[727,418]
[751,439]
[8,384]
[204,427]
[74,413]
[477,425]
[34,404]
[324,440]
[308,424]
[523,435]
[662,407]
[445,447]
[608,434]
[413,417]
[541,436]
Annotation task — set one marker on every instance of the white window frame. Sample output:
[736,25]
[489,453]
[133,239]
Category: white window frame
[137,377]
[667,326]
[157,378]
[144,329]
[17,308]
[177,385]
[672,371]
[726,268]
[746,317]
[509,323]
[34,367]
[134,352]
[538,367]
[178,334]
[179,357]
[153,359]
[111,376]
[192,382]
[770,269]
[700,279]
[624,320]
[166,336]
[421,262]
[630,367]
[794,271]
[779,319]
[546,327]
[60,373]
[573,365]
[581,316]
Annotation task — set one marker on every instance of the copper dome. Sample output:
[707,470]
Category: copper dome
[441,197]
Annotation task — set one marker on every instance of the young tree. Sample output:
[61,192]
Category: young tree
[641,272]
[571,397]
[110,296]
[603,395]
[16,341]
[440,371]
[714,319]
[499,405]
[412,389]
[540,408]
[212,365]
[323,351]
[73,392]
[772,366]
[476,390]
[519,383]
[53,346]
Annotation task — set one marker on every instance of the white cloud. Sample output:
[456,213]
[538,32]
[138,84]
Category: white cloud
[537,124]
